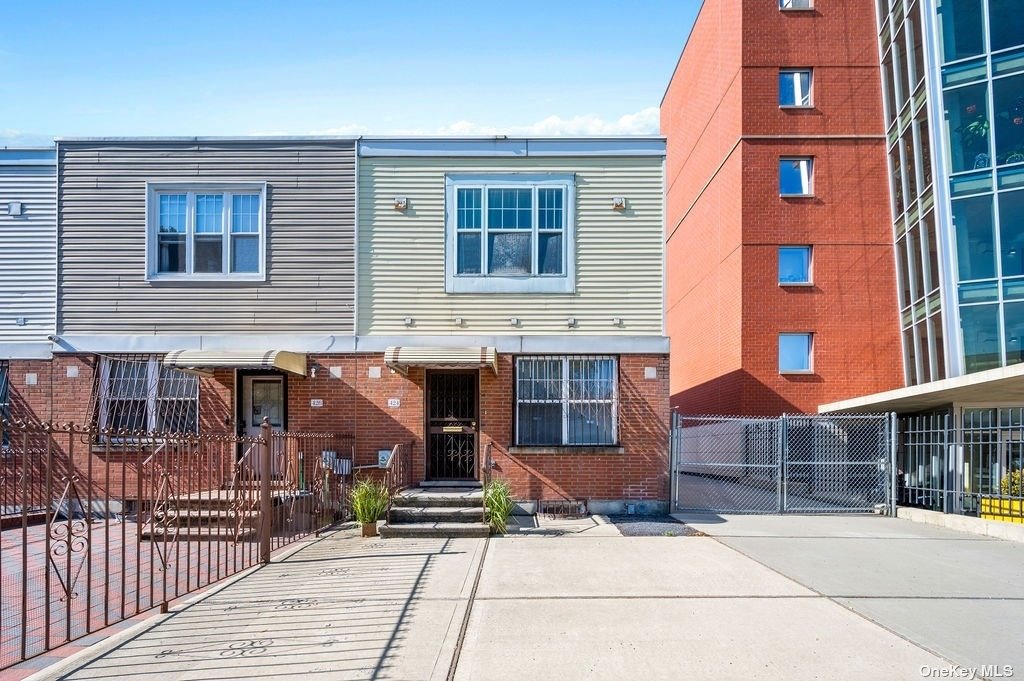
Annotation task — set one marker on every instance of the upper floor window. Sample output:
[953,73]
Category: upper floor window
[794,265]
[796,4]
[510,233]
[795,87]
[795,353]
[206,232]
[795,176]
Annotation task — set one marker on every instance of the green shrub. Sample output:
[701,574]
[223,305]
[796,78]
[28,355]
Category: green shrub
[369,500]
[498,503]
[1012,484]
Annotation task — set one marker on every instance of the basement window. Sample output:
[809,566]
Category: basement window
[138,394]
[566,400]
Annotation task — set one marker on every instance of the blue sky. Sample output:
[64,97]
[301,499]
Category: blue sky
[302,67]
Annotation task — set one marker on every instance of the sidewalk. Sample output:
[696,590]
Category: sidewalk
[342,607]
[589,604]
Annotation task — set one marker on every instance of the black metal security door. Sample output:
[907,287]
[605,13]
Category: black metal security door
[451,425]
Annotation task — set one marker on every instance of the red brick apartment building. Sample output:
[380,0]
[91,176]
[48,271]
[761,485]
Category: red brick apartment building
[780,278]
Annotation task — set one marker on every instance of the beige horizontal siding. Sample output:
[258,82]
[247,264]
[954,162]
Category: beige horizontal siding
[310,245]
[28,254]
[619,254]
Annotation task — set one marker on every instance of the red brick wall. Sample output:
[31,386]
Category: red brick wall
[726,219]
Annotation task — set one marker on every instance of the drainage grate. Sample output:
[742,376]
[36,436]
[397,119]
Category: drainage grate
[562,508]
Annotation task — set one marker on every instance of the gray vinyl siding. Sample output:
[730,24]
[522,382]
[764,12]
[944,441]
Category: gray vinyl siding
[619,254]
[28,254]
[310,238]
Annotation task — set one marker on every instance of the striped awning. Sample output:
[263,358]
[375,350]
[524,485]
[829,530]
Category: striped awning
[199,360]
[401,357]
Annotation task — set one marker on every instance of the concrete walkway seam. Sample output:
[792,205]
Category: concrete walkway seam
[457,653]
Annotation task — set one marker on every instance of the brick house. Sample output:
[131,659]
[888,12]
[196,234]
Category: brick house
[781,284]
[472,297]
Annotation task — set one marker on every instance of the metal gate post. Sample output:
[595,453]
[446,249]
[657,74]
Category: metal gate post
[780,458]
[673,461]
[266,519]
[892,465]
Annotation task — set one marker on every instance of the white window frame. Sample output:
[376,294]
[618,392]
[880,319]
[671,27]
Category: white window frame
[151,397]
[796,5]
[501,283]
[796,90]
[806,174]
[565,401]
[810,352]
[810,265]
[155,189]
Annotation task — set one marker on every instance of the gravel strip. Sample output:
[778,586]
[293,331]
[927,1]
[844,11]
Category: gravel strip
[652,526]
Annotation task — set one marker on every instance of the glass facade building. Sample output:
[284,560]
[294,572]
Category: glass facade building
[953,81]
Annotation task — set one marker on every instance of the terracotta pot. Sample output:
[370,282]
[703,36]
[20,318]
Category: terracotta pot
[369,529]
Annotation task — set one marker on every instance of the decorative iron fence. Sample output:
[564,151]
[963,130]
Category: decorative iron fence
[100,525]
[790,464]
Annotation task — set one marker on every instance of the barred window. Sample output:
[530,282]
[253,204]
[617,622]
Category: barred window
[137,393]
[566,400]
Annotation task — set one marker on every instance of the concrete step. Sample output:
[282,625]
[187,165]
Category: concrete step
[434,530]
[159,532]
[451,484]
[437,514]
[438,496]
[204,516]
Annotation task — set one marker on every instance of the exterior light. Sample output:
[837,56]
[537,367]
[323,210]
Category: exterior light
[459,321]
[617,321]
[401,203]
[571,322]
[514,321]
[618,203]
[408,321]
[15,208]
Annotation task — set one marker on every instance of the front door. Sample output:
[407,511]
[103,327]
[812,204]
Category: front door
[262,397]
[452,431]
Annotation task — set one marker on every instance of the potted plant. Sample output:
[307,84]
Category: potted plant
[498,505]
[369,502]
[1009,505]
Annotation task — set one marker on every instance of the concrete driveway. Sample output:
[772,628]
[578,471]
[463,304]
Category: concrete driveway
[959,595]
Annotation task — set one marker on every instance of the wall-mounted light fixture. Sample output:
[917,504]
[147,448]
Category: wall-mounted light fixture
[616,321]
[408,321]
[514,321]
[20,321]
[571,322]
[459,321]
[401,203]
[618,203]
[15,208]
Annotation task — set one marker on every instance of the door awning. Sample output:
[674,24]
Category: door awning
[401,357]
[200,360]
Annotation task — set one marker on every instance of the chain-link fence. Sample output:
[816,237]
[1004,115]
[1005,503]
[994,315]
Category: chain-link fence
[790,464]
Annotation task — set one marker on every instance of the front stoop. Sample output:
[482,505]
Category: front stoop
[446,512]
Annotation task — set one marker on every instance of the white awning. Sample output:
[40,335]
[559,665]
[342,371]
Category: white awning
[401,357]
[199,360]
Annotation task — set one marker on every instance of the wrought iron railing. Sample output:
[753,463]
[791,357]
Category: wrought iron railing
[98,526]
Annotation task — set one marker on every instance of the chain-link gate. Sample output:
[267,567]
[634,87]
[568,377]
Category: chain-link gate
[790,464]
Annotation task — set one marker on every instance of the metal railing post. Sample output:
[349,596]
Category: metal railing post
[266,519]
[892,465]
[780,463]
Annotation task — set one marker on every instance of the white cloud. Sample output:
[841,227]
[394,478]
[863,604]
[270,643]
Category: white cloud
[643,122]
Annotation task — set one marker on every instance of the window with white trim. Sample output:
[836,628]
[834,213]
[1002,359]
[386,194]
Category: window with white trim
[206,232]
[794,265]
[794,87]
[510,233]
[566,400]
[795,353]
[795,177]
[796,4]
[138,393]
